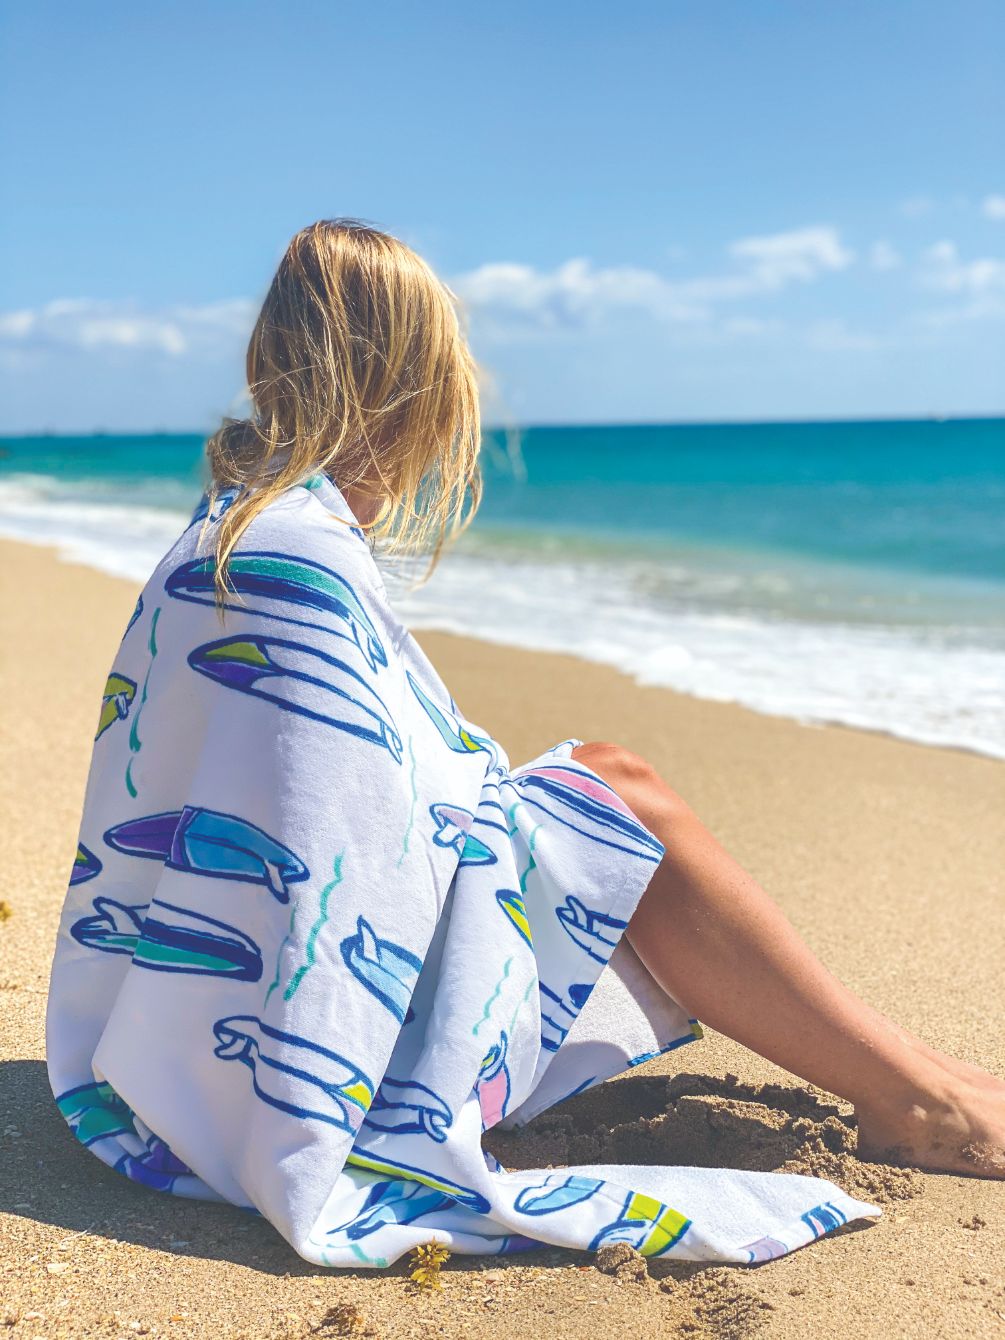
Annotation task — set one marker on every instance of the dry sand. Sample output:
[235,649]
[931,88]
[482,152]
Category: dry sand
[888,856]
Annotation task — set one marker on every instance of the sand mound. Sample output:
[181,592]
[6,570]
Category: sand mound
[699,1121]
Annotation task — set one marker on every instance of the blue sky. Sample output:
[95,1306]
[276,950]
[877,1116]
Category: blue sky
[672,210]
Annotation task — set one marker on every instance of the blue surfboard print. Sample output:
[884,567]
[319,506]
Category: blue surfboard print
[295,1075]
[207,842]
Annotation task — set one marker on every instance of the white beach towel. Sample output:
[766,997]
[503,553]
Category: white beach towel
[320,936]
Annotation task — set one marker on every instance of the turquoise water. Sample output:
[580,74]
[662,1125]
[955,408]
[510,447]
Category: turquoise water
[835,571]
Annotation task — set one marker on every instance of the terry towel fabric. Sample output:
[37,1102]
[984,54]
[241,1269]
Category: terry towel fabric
[320,935]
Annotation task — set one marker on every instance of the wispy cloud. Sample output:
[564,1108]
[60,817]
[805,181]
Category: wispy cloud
[993,207]
[883,256]
[916,206]
[945,270]
[977,285]
[89,325]
[577,293]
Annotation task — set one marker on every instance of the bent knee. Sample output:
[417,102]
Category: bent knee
[615,763]
[633,777]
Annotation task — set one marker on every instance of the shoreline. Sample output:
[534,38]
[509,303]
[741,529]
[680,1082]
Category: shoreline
[421,630]
[888,856]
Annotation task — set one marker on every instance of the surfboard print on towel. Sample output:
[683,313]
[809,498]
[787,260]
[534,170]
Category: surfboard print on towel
[455,736]
[552,1195]
[512,904]
[300,679]
[208,842]
[409,1109]
[387,970]
[596,932]
[279,586]
[212,513]
[95,1112]
[646,1224]
[116,701]
[295,1075]
[558,1013]
[157,1168]
[133,617]
[453,829]
[166,938]
[493,1085]
[474,1200]
[85,866]
[389,1202]
[588,805]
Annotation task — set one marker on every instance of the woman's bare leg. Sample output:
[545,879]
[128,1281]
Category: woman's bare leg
[717,943]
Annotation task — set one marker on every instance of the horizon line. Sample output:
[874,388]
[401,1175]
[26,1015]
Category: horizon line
[795,422]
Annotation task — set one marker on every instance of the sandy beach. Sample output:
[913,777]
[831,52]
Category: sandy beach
[888,856]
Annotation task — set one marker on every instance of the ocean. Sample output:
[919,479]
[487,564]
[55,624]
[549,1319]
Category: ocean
[829,572]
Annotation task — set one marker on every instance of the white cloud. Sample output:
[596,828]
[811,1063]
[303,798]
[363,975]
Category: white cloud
[883,256]
[993,207]
[573,294]
[800,255]
[508,294]
[916,206]
[944,269]
[86,324]
[978,285]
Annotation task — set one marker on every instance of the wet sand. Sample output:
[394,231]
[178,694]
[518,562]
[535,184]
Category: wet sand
[888,856]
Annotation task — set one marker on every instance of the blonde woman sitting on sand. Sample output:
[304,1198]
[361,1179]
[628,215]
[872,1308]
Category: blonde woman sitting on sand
[321,935]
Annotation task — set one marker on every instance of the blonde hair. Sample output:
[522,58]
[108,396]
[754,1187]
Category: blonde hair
[358,368]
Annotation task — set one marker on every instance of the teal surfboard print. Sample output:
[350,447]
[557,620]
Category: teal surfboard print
[299,679]
[167,938]
[207,842]
[283,588]
[115,702]
[95,1112]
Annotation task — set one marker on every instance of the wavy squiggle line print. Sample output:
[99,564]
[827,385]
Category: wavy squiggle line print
[415,801]
[279,956]
[315,930]
[531,862]
[135,743]
[497,992]
[526,996]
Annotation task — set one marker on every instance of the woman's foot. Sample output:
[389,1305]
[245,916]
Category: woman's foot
[952,1126]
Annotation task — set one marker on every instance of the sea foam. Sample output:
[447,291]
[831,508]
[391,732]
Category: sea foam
[736,635]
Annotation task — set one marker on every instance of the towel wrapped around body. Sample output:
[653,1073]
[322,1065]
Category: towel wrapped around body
[320,935]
